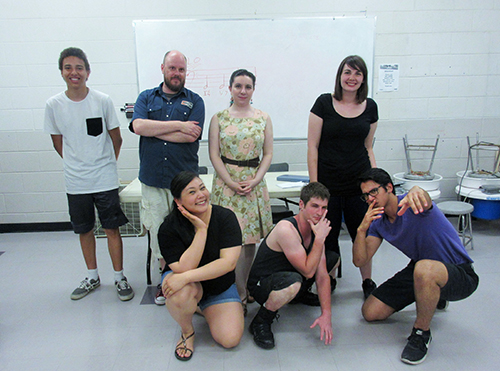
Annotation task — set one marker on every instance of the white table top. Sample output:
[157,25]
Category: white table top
[477,194]
[132,192]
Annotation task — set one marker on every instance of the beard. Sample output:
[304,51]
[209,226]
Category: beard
[171,86]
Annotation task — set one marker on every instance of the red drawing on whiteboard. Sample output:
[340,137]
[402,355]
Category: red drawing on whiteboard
[209,80]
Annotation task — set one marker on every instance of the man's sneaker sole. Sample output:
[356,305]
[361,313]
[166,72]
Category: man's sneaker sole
[410,348]
[410,362]
[81,291]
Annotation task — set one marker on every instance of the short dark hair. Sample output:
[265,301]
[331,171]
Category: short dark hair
[314,189]
[73,52]
[377,175]
[241,72]
[356,62]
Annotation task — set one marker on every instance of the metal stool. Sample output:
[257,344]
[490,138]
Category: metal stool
[463,210]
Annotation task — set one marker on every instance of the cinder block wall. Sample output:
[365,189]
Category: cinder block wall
[448,51]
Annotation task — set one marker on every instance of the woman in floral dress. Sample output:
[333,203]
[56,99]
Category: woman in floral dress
[238,136]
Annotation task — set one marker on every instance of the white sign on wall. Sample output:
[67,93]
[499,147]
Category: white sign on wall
[388,77]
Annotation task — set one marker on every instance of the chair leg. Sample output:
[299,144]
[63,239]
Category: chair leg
[469,225]
[465,229]
[148,261]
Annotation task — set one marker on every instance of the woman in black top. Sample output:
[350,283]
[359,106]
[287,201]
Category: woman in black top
[201,244]
[340,148]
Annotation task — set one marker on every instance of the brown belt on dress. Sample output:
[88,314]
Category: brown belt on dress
[254,162]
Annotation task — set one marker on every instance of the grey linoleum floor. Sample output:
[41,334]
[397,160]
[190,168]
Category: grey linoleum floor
[42,329]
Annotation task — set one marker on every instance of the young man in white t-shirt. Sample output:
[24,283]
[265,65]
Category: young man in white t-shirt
[85,132]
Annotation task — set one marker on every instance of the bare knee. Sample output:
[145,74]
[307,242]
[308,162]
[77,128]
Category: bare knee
[112,233]
[370,315]
[374,310]
[429,272]
[229,340]
[183,296]
[229,334]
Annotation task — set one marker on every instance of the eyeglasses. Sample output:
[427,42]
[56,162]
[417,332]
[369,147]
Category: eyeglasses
[373,192]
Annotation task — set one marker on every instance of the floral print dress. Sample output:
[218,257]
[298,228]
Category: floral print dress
[243,139]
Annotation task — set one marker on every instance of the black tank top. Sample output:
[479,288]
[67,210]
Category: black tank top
[268,261]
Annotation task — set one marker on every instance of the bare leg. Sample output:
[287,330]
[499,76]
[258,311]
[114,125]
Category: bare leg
[243,270]
[375,310]
[226,323]
[181,307]
[87,242]
[115,247]
[366,270]
[429,277]
[277,299]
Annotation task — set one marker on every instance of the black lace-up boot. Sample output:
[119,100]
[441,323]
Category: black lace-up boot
[260,328]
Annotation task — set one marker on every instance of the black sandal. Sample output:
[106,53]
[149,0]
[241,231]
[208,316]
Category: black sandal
[182,345]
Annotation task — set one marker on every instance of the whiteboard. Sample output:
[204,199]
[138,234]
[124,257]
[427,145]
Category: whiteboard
[294,60]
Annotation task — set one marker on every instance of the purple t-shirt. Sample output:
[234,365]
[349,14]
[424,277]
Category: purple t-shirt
[428,235]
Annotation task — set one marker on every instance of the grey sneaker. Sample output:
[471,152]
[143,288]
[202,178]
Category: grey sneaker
[415,350]
[86,287]
[125,292]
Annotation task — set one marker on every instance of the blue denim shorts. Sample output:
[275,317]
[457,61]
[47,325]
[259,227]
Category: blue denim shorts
[228,296]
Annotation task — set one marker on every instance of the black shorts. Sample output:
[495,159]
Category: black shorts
[82,211]
[398,291]
[281,280]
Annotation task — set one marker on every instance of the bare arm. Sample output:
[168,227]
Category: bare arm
[289,242]
[313,137]
[226,263]
[57,141]
[191,258]
[117,140]
[365,247]
[324,292]
[369,144]
[417,199]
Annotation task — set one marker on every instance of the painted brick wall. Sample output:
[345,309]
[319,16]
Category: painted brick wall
[448,50]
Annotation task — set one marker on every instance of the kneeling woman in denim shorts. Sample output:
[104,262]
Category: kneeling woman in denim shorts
[201,244]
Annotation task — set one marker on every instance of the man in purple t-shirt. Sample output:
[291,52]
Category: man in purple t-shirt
[440,269]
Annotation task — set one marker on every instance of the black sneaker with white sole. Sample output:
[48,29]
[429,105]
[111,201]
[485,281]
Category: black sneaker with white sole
[442,304]
[415,350]
[368,286]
